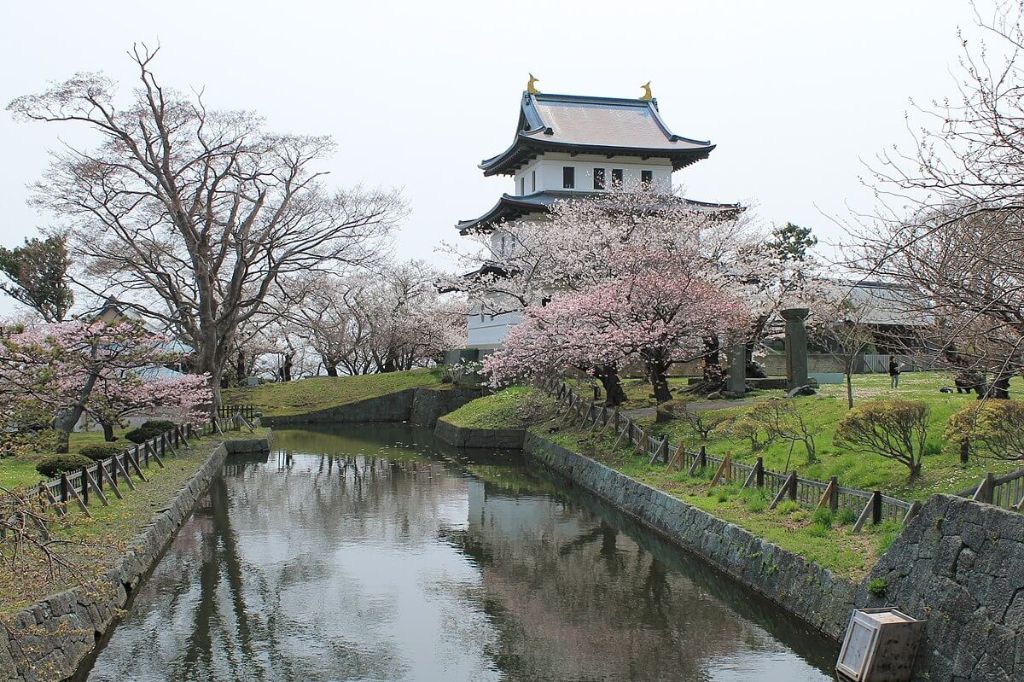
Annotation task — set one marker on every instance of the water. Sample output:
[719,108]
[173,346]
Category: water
[377,553]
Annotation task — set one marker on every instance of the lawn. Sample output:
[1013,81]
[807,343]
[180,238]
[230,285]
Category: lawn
[94,543]
[285,399]
[512,408]
[941,471]
[20,471]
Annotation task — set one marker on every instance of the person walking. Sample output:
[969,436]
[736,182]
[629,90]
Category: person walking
[894,372]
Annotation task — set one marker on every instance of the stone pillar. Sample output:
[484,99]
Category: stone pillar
[796,347]
[736,383]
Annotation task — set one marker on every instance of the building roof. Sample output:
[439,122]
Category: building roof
[887,304]
[512,207]
[593,125]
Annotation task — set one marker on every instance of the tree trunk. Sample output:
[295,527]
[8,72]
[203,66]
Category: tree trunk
[657,374]
[108,432]
[714,377]
[608,375]
[849,385]
[332,369]
[66,420]
[1000,387]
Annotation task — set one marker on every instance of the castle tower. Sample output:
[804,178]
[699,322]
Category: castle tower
[573,146]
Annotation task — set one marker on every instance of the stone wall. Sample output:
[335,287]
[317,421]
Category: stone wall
[503,439]
[960,565]
[394,407]
[803,588]
[419,405]
[957,564]
[51,638]
[430,403]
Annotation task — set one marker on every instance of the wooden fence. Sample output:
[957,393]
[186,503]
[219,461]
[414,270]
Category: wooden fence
[871,506]
[1006,491]
[113,473]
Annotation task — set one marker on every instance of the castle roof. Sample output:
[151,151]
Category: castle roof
[512,207]
[593,125]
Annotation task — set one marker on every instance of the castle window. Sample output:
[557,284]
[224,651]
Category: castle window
[568,177]
[646,177]
[599,178]
[522,186]
[617,177]
[533,181]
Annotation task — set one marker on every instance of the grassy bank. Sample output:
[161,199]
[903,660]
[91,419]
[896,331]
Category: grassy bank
[941,471]
[285,399]
[825,539]
[20,471]
[817,536]
[513,408]
[91,545]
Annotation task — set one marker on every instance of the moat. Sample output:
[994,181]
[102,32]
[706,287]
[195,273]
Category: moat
[377,553]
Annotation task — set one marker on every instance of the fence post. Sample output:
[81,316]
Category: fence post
[965,451]
[833,501]
[99,475]
[788,488]
[985,489]
[64,488]
[702,457]
[759,472]
[85,484]
[876,507]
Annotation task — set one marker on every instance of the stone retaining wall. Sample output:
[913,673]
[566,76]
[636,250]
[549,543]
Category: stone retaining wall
[51,638]
[957,564]
[393,407]
[803,588]
[419,405]
[960,565]
[504,439]
[430,403]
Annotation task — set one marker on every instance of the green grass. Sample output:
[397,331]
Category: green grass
[789,526]
[941,471]
[20,471]
[513,408]
[93,544]
[290,398]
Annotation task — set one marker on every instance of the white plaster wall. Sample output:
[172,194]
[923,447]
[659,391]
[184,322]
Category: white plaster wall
[486,331]
[548,170]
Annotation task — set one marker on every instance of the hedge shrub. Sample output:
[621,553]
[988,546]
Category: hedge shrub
[148,430]
[54,466]
[892,428]
[101,451]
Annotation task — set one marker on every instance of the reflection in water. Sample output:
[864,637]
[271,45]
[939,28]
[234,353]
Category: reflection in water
[375,553]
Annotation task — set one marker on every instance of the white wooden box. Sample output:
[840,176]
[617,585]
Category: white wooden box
[880,646]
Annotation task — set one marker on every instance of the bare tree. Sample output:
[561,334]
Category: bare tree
[951,218]
[389,319]
[190,215]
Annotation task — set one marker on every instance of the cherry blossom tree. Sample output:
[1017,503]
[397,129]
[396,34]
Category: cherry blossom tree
[107,370]
[574,247]
[659,309]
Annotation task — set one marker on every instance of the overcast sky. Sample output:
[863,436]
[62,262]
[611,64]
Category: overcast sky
[797,95]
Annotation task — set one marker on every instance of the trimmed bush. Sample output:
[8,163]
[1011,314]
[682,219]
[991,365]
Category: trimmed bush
[994,428]
[54,466]
[101,451]
[894,429]
[158,425]
[148,430]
